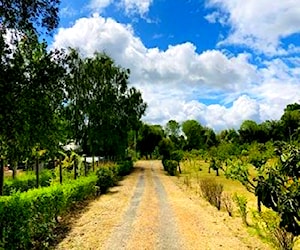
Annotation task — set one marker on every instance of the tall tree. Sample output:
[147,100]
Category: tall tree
[173,131]
[101,108]
[248,131]
[194,133]
[23,20]
[291,121]
[149,138]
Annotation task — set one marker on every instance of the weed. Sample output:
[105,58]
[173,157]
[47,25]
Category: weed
[227,201]
[241,202]
[212,192]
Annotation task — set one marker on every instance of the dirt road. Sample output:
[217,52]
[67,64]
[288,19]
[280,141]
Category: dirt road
[149,211]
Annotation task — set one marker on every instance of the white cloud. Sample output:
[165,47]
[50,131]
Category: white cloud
[140,7]
[99,5]
[174,81]
[259,24]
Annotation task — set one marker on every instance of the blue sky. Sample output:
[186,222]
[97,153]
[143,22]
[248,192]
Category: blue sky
[217,61]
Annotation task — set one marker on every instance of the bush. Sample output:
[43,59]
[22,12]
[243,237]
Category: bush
[27,220]
[106,178]
[170,166]
[241,202]
[212,192]
[125,167]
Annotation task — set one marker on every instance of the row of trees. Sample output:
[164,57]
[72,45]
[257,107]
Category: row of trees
[49,98]
[192,135]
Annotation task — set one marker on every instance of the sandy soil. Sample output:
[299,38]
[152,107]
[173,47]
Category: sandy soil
[149,211]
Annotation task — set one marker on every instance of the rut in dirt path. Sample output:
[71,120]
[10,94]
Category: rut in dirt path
[168,233]
[119,237]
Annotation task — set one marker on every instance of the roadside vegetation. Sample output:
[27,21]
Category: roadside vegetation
[51,99]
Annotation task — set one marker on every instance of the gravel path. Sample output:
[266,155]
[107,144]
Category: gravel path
[120,235]
[149,211]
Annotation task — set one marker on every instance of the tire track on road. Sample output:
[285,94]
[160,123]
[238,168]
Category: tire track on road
[120,235]
[169,237]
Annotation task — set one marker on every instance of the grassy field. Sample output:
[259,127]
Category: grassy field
[194,171]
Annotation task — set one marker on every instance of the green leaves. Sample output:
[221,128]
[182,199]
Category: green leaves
[101,108]
[29,15]
[27,220]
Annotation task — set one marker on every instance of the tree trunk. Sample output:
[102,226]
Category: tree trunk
[1,177]
[75,169]
[259,203]
[14,169]
[85,167]
[93,163]
[179,168]
[60,172]
[37,172]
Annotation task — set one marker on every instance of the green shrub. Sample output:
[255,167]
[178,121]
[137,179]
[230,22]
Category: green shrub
[105,178]
[170,166]
[124,167]
[212,192]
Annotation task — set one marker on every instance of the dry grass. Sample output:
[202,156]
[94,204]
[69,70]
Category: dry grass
[197,170]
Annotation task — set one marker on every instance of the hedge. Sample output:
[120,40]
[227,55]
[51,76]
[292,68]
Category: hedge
[27,220]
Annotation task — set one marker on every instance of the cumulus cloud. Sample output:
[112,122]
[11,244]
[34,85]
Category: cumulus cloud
[258,24]
[179,64]
[131,7]
[174,81]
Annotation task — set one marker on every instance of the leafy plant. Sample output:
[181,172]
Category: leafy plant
[170,166]
[241,202]
[267,223]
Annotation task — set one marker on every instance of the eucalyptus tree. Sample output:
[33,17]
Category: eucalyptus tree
[33,99]
[101,107]
[31,15]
